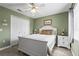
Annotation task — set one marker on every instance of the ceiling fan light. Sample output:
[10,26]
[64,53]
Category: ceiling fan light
[33,10]
[36,7]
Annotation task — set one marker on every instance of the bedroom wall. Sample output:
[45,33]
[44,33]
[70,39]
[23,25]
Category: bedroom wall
[75,48]
[5,34]
[60,21]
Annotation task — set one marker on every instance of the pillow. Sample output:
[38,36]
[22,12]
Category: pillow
[46,32]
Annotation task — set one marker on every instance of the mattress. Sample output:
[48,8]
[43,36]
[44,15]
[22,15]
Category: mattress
[50,39]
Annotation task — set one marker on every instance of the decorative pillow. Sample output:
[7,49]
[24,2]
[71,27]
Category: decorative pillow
[47,32]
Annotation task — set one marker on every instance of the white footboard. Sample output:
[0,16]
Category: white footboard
[32,47]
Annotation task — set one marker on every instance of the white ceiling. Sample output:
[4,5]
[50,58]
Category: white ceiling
[44,10]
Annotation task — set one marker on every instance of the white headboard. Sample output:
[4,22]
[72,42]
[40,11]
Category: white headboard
[49,28]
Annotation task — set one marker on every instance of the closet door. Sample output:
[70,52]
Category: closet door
[19,27]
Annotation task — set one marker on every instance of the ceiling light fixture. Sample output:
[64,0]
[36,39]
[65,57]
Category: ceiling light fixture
[34,9]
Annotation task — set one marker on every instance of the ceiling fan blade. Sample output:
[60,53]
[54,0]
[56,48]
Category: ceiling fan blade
[33,4]
[27,10]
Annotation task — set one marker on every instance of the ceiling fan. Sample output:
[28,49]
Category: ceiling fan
[32,7]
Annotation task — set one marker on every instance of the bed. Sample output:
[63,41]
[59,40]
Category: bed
[38,44]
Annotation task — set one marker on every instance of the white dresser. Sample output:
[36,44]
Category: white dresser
[63,41]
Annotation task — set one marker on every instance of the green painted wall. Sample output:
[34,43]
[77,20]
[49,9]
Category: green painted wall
[5,34]
[60,21]
[75,48]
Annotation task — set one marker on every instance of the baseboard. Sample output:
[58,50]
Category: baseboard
[4,48]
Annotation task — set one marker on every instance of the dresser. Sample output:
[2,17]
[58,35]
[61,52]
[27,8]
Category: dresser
[63,41]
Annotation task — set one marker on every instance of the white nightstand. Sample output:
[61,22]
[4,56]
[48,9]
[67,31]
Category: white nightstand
[63,41]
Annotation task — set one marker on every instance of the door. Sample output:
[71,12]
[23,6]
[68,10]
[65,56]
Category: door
[19,27]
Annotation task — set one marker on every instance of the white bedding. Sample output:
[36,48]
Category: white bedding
[50,39]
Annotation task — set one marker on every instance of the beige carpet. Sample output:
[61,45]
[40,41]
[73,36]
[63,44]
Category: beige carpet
[57,51]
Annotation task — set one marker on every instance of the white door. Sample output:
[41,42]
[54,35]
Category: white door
[19,27]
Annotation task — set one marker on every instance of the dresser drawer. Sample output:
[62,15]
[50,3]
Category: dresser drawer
[63,44]
[62,37]
[63,41]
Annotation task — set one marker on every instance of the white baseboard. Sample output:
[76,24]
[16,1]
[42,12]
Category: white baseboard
[4,48]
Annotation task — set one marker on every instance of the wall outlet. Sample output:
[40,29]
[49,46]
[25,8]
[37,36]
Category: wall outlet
[3,41]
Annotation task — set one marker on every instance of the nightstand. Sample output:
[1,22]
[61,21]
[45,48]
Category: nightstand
[63,41]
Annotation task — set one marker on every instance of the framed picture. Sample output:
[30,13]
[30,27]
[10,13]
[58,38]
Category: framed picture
[48,22]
